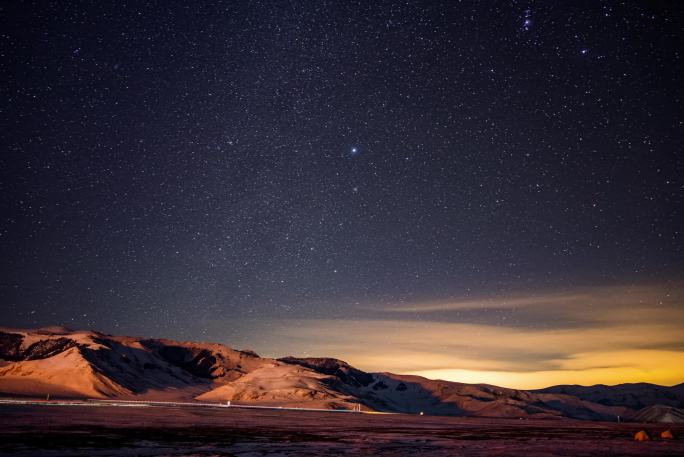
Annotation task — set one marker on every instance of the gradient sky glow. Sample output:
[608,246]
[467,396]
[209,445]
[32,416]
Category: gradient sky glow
[478,191]
[594,335]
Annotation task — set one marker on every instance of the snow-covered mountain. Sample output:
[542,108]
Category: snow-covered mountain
[67,363]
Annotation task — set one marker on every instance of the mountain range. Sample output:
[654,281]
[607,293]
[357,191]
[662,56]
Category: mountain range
[89,364]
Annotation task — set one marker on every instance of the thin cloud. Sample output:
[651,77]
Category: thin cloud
[586,298]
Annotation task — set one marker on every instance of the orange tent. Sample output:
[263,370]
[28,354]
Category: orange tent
[667,435]
[642,436]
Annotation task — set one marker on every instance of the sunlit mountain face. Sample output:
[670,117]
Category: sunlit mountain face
[471,191]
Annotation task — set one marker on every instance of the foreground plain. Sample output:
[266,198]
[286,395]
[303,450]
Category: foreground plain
[160,431]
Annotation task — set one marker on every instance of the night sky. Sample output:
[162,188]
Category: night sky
[400,184]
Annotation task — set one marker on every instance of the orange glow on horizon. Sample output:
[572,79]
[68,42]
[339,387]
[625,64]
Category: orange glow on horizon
[595,336]
[657,367]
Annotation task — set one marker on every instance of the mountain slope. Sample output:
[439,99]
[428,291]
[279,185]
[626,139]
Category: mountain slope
[284,385]
[67,374]
[415,393]
[112,366]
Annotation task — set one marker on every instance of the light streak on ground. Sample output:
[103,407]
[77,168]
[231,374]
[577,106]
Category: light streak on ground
[93,402]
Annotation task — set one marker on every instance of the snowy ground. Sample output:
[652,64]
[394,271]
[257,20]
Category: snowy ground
[155,431]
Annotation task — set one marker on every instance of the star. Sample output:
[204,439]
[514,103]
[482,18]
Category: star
[527,21]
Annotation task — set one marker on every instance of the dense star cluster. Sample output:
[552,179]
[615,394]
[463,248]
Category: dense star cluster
[167,165]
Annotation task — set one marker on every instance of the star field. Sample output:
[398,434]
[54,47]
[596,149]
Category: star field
[165,165]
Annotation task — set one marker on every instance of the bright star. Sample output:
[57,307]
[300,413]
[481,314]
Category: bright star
[527,22]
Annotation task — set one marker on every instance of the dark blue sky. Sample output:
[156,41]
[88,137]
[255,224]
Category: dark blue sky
[167,163]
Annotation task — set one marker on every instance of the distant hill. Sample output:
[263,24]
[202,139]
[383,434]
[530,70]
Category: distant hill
[635,396]
[77,364]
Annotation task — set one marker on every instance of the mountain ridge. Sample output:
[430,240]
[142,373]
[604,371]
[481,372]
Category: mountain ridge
[85,363]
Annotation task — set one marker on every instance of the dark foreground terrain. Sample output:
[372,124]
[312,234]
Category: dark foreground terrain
[157,431]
